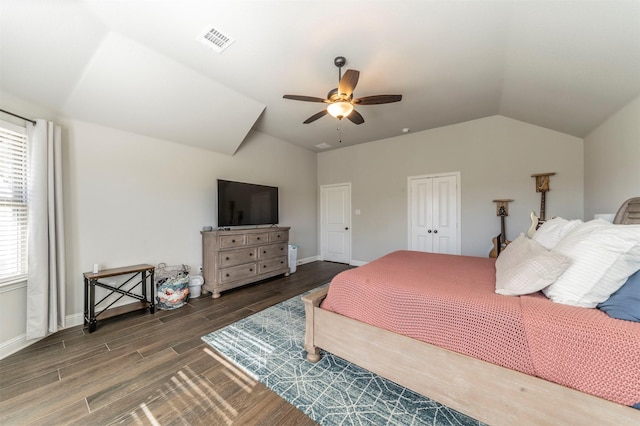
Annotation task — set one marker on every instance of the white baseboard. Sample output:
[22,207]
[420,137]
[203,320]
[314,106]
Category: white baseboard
[306,260]
[352,263]
[74,319]
[14,345]
[20,342]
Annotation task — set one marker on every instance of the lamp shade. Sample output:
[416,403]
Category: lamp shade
[340,109]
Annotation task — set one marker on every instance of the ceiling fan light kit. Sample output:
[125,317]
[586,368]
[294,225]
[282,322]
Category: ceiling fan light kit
[340,100]
[340,109]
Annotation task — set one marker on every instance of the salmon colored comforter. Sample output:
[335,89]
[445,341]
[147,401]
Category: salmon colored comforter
[449,301]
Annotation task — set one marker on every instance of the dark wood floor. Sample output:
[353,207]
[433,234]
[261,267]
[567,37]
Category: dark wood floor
[152,369]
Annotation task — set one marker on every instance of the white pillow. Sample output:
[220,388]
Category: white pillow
[525,267]
[603,257]
[552,231]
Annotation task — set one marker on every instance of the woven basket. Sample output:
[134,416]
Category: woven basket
[172,286]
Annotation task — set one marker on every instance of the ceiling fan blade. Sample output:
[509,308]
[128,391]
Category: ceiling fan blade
[348,82]
[314,117]
[355,117]
[304,98]
[377,99]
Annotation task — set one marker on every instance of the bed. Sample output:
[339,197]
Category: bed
[511,360]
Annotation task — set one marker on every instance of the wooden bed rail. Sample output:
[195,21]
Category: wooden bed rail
[484,391]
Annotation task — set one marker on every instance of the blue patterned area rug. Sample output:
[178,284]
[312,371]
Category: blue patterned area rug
[268,345]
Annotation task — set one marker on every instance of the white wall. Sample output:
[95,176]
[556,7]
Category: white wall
[495,157]
[132,199]
[612,161]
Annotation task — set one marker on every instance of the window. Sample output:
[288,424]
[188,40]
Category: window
[13,202]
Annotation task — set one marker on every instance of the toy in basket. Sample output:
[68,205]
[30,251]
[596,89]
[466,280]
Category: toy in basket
[172,286]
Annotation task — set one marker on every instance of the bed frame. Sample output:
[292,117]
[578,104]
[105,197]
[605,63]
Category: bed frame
[629,212]
[484,391]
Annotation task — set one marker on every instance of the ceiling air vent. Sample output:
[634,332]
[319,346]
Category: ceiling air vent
[215,39]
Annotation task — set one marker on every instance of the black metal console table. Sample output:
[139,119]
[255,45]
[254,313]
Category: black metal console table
[141,274]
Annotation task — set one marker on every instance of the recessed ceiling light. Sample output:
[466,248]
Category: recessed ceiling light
[405,130]
[323,145]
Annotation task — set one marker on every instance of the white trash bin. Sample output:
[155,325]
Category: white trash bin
[195,285]
[293,257]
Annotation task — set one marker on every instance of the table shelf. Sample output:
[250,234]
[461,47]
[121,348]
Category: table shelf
[142,276]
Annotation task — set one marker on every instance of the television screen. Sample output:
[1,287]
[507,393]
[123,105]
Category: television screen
[243,204]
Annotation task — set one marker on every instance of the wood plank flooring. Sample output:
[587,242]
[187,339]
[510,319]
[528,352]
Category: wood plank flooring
[152,369]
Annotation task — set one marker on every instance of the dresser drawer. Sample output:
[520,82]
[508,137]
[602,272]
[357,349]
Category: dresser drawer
[272,250]
[237,257]
[257,238]
[237,240]
[273,264]
[276,236]
[237,272]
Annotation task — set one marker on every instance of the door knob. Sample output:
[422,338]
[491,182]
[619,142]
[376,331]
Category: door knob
[435,231]
[346,228]
[429,231]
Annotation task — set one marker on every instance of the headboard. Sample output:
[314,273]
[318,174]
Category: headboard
[629,212]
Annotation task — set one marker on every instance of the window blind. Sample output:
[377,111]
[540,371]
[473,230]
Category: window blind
[13,202]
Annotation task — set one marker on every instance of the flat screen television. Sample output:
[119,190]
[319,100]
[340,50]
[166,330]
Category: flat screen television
[245,204]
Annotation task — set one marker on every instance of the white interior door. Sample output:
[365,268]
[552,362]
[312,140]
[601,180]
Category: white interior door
[335,217]
[421,217]
[433,214]
[445,227]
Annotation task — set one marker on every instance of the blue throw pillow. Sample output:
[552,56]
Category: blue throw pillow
[625,303]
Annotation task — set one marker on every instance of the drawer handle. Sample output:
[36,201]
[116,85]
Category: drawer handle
[233,241]
[251,254]
[250,269]
[264,266]
[227,274]
[281,262]
[258,237]
[281,248]
[227,258]
[265,252]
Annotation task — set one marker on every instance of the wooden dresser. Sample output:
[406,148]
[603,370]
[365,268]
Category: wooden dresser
[241,256]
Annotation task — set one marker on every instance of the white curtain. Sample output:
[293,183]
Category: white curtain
[46,259]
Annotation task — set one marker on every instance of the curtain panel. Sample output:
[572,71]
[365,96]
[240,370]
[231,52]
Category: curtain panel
[46,257]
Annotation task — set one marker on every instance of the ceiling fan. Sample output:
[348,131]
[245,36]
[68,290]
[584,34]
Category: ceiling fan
[341,100]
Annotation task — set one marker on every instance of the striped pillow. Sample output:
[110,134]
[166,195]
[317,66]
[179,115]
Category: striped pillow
[552,231]
[603,257]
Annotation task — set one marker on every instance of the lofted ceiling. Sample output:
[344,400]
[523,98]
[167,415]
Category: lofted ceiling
[137,65]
